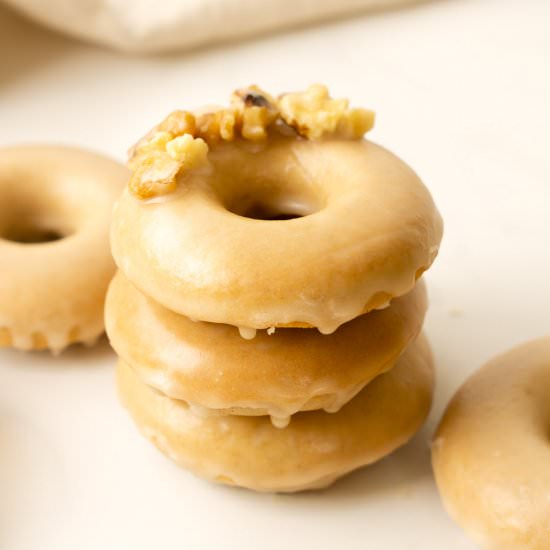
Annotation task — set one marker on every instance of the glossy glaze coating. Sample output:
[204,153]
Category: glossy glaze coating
[369,229]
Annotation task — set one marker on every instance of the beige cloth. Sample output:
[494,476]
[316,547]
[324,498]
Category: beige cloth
[157,25]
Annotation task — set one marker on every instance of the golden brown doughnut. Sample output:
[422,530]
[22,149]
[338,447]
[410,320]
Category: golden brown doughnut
[210,365]
[55,264]
[314,450]
[273,213]
[369,228]
[491,452]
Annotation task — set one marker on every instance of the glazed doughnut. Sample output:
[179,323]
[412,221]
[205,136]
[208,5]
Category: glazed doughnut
[209,364]
[314,450]
[219,246]
[491,453]
[55,264]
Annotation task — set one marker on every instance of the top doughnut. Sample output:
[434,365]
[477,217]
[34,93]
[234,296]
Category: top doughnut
[274,212]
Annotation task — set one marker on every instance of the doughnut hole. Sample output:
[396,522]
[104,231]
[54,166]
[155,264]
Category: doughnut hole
[31,234]
[35,217]
[258,185]
[261,205]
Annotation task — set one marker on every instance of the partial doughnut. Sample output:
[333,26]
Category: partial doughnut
[491,452]
[314,450]
[210,365]
[55,263]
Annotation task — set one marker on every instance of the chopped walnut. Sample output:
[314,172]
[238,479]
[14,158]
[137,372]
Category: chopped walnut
[175,124]
[256,109]
[179,123]
[314,114]
[228,123]
[250,114]
[253,96]
[154,141]
[355,123]
[189,151]
[216,125]
[254,123]
[181,141]
[154,175]
[158,162]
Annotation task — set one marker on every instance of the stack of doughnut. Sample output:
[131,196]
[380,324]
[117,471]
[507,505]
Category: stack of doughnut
[267,311]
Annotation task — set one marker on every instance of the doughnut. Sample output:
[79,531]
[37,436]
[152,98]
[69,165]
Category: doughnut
[313,451]
[55,263]
[280,374]
[491,452]
[286,224]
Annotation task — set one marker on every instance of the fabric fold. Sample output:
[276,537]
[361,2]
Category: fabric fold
[149,26]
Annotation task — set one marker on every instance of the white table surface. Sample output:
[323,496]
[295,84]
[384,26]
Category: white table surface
[462,93]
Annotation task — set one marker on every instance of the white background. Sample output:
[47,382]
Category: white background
[462,91]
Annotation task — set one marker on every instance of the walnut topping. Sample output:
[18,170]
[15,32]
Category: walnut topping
[314,114]
[355,123]
[190,152]
[175,124]
[179,123]
[253,99]
[158,162]
[253,96]
[255,121]
[216,125]
[154,175]
[153,141]
[256,111]
[181,141]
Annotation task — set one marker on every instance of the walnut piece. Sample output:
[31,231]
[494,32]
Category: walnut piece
[179,123]
[158,162]
[189,151]
[256,112]
[175,124]
[314,115]
[180,143]
[217,125]
[152,142]
[154,175]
